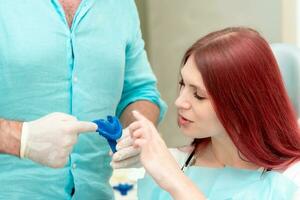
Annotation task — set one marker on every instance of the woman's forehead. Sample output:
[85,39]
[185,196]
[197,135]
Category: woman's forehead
[191,75]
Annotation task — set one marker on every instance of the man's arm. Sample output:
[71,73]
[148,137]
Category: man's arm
[10,137]
[127,155]
[139,93]
[26,140]
[147,108]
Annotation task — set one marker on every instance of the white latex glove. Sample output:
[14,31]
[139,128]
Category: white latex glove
[50,139]
[126,156]
[154,156]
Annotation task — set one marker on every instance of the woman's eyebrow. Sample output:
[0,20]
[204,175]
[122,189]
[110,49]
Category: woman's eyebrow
[196,87]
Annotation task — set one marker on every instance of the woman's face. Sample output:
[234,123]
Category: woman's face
[196,116]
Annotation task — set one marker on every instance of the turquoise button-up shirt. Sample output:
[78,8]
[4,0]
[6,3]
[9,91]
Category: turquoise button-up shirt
[91,70]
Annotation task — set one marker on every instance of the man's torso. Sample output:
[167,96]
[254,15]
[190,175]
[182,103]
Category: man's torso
[47,67]
[70,7]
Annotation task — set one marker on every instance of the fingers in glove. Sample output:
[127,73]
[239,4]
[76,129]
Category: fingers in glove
[69,140]
[125,153]
[125,133]
[61,163]
[130,162]
[124,142]
[62,116]
[83,126]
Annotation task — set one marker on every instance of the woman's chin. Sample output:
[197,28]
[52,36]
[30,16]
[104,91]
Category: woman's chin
[192,134]
[189,133]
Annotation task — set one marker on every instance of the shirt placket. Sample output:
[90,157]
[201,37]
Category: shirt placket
[83,8]
[81,11]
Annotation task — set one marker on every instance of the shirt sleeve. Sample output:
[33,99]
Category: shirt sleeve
[139,83]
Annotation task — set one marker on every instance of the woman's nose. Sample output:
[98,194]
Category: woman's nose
[182,102]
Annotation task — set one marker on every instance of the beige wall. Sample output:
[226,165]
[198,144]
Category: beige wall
[171,26]
[289,21]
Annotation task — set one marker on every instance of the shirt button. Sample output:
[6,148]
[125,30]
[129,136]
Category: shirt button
[74,165]
[75,79]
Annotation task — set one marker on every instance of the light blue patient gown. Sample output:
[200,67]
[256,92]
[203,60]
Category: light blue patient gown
[227,184]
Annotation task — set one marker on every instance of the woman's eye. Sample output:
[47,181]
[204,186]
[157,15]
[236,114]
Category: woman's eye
[181,84]
[198,97]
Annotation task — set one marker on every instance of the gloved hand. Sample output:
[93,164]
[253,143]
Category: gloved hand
[50,139]
[126,156]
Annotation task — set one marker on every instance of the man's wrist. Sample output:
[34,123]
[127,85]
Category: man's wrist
[10,137]
[23,141]
[146,108]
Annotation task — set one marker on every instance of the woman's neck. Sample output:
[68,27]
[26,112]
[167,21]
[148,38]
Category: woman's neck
[221,152]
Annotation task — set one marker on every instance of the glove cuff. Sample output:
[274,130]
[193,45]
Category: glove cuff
[24,139]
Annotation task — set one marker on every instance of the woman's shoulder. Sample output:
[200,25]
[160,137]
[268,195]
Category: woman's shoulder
[286,183]
[293,173]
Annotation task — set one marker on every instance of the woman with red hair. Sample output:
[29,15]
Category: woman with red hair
[232,101]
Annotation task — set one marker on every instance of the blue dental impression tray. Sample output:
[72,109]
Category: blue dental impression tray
[111,129]
[123,188]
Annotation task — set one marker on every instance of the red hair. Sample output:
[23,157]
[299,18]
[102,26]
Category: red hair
[244,83]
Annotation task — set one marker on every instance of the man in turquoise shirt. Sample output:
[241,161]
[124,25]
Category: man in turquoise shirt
[84,59]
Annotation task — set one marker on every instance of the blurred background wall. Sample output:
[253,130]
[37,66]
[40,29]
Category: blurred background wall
[170,26]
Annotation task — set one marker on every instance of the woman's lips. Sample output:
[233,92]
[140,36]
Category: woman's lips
[182,121]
